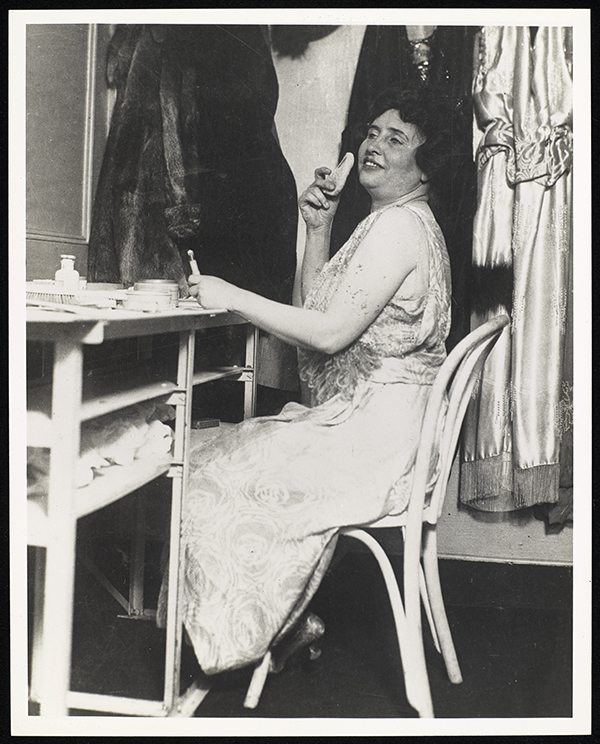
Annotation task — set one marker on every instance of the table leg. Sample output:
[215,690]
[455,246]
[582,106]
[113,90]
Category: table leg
[138,559]
[183,418]
[62,528]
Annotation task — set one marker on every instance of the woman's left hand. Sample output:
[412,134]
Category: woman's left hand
[211,292]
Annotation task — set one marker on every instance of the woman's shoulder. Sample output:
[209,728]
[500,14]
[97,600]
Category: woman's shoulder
[417,209]
[401,219]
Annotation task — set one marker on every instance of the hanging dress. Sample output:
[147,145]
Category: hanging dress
[266,498]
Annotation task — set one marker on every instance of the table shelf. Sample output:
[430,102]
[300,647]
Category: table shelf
[107,394]
[110,484]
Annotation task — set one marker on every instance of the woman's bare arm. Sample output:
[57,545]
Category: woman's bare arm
[316,255]
[318,205]
[385,258]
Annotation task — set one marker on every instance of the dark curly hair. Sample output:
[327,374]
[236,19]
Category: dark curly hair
[429,110]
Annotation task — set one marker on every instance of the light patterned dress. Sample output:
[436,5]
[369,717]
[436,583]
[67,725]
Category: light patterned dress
[267,497]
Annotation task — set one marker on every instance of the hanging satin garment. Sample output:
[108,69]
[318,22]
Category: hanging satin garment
[522,246]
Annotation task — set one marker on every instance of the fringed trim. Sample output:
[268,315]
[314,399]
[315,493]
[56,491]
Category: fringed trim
[486,479]
[483,482]
[537,485]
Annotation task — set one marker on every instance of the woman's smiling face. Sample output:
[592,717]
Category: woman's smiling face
[387,166]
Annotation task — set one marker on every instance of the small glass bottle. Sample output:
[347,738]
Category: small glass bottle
[67,278]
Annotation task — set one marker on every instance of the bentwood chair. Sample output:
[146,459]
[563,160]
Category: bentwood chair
[446,407]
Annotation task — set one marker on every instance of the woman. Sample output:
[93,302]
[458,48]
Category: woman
[266,499]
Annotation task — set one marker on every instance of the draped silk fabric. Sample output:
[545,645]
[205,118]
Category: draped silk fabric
[522,246]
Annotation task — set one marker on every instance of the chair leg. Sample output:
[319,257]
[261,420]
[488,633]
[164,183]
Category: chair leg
[432,577]
[410,640]
[257,682]
[426,604]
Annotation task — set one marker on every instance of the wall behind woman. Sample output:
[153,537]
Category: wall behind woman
[314,93]
[66,129]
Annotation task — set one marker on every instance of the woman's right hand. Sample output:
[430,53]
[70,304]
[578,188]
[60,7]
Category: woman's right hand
[318,209]
[212,292]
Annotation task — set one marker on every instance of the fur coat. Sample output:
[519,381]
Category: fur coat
[192,162]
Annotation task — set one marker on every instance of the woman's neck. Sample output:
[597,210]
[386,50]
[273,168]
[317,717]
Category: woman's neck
[419,192]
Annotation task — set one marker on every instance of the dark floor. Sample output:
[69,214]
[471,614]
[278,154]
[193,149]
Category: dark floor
[511,626]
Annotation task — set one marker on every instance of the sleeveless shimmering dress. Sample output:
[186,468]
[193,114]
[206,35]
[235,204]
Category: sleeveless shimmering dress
[267,497]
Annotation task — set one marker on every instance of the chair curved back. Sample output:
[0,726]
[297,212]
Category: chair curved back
[445,411]
[454,385]
[446,407]
[462,374]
